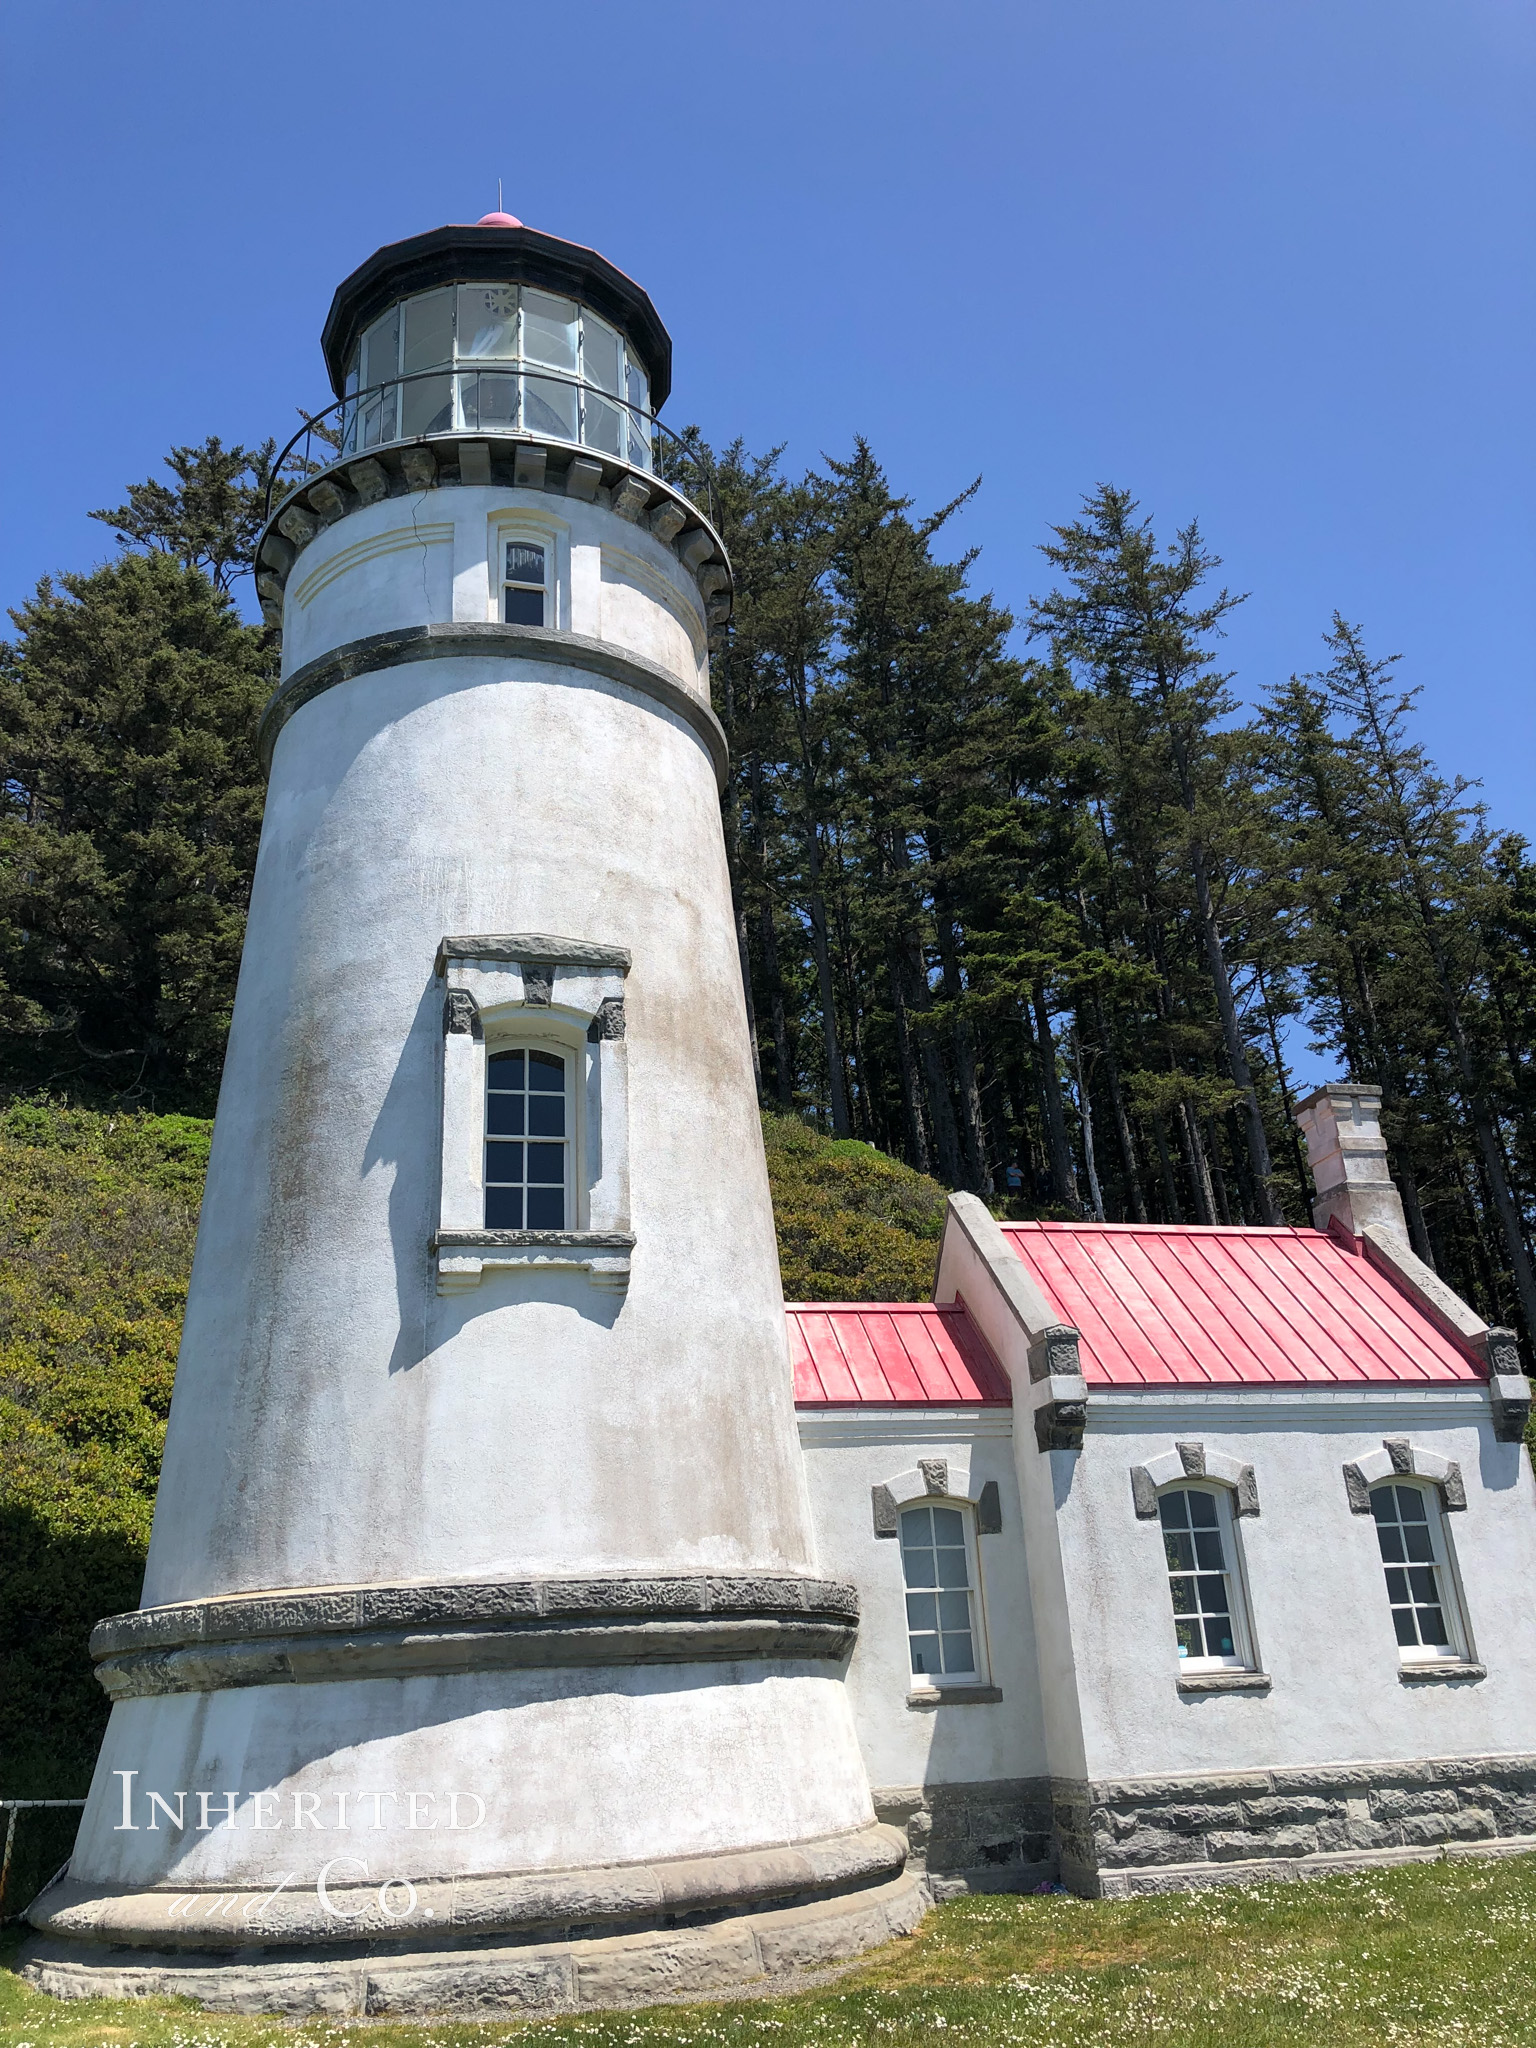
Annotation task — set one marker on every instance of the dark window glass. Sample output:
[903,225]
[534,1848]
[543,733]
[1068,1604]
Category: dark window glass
[525,1182]
[524,607]
[524,584]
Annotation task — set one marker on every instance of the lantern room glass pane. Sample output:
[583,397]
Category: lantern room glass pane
[549,408]
[600,354]
[427,406]
[487,320]
[549,330]
[381,348]
[602,425]
[428,331]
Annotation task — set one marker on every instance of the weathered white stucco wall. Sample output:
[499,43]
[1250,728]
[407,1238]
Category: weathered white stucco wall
[848,1452]
[1318,1606]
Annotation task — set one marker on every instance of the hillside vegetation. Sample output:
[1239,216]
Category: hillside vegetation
[98,1214]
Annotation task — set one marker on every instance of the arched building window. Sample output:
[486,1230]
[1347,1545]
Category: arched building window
[938,1561]
[1415,1556]
[1210,1621]
[527,1139]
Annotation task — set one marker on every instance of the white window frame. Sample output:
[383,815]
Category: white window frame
[572,1056]
[1238,1609]
[509,524]
[1452,1607]
[943,1681]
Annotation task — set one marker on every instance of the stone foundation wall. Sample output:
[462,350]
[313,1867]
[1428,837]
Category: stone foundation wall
[1168,1834]
[993,1836]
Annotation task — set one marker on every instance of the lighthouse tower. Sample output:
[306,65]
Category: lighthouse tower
[483,1654]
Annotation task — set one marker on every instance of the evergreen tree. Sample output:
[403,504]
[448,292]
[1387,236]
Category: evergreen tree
[128,827]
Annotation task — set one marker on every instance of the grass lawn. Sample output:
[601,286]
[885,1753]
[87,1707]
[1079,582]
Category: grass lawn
[1440,1953]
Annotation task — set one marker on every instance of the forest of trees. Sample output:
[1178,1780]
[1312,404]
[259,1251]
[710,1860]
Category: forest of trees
[1033,903]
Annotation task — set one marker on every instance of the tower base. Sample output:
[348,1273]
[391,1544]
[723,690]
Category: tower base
[701,1927]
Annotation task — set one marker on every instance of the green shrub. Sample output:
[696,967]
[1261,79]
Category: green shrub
[853,1223]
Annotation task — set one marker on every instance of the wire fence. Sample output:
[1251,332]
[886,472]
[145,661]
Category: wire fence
[13,1809]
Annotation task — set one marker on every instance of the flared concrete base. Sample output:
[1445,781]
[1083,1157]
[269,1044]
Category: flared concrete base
[712,1959]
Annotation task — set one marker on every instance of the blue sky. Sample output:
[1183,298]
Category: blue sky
[1267,264]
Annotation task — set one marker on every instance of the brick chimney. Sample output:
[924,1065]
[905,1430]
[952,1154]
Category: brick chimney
[1341,1123]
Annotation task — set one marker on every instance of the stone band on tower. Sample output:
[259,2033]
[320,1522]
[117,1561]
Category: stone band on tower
[483,1653]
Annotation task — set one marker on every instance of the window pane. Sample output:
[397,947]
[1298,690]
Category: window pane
[922,1610]
[917,1526]
[503,1208]
[1208,1551]
[1212,1594]
[506,1069]
[504,1115]
[952,1571]
[428,331]
[1202,1510]
[1402,1621]
[546,1209]
[958,1655]
[379,417]
[488,404]
[525,564]
[602,426]
[381,349]
[1180,1550]
[1390,1538]
[1416,1540]
[1421,1581]
[1382,1505]
[546,1163]
[503,1162]
[549,408]
[1171,1506]
[546,1072]
[546,1116]
[954,1610]
[1432,1627]
[1397,1586]
[1410,1504]
[948,1527]
[925,1654]
[599,354]
[524,607]
[487,320]
[427,406]
[1191,1642]
[549,330]
[1183,1591]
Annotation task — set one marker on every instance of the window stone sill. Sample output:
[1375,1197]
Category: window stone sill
[920,1699]
[464,1256]
[1225,1681]
[1424,1674]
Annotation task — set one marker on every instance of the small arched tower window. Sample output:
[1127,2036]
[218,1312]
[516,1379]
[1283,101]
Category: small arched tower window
[1421,1588]
[528,1139]
[1210,1622]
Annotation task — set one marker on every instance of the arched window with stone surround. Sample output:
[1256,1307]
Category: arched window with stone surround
[1415,1558]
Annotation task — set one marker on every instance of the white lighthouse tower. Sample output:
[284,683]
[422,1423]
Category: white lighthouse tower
[483,1655]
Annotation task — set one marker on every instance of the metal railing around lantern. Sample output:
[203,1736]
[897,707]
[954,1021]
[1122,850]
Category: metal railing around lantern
[489,403]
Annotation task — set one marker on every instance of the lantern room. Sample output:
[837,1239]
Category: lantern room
[496,329]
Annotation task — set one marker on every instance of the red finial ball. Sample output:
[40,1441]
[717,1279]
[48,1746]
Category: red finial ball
[498,220]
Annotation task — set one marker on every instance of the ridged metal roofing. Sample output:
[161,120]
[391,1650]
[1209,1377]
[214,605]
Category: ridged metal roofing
[891,1353]
[1213,1306]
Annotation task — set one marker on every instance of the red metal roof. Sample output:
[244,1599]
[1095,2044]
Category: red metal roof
[893,1353]
[1213,1306]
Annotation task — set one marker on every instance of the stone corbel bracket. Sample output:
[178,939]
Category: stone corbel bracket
[512,461]
[1398,1455]
[1192,1461]
[573,988]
